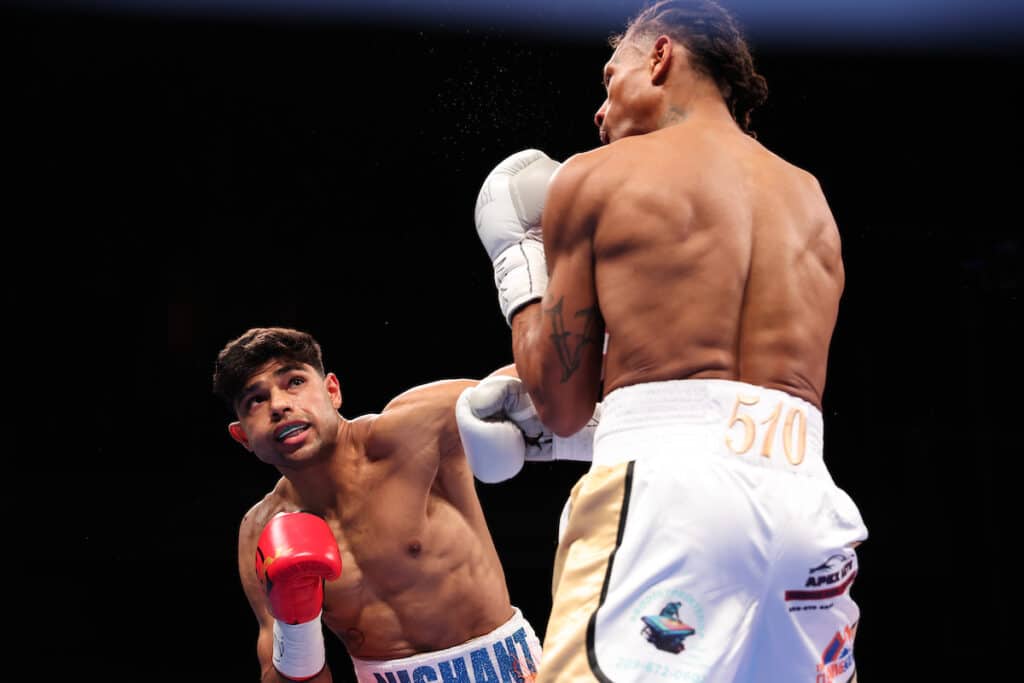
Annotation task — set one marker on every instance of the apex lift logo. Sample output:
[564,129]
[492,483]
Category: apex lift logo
[666,631]
[829,579]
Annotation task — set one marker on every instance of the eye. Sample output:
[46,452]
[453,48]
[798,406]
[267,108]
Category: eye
[296,381]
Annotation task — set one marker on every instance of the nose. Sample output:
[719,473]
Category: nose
[280,403]
[599,116]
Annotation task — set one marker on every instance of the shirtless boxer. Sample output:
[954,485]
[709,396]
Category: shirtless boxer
[374,526]
[707,542]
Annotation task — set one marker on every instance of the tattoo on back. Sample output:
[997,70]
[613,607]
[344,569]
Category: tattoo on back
[569,344]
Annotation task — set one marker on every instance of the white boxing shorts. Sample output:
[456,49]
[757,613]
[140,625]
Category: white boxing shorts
[509,653]
[707,543]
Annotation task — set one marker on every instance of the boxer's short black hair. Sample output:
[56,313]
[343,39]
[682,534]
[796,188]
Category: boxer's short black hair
[241,358]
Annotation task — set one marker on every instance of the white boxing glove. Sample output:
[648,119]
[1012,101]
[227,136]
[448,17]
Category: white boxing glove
[500,430]
[508,212]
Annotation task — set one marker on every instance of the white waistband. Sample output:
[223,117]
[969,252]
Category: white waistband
[510,648]
[711,417]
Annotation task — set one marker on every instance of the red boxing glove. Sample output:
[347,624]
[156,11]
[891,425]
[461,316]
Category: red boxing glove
[294,555]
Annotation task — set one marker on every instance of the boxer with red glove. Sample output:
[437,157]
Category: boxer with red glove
[424,592]
[296,552]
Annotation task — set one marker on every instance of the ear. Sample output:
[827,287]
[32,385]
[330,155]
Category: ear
[238,434]
[333,389]
[661,59]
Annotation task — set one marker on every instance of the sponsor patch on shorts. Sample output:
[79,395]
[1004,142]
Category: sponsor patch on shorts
[824,581]
[837,657]
[669,627]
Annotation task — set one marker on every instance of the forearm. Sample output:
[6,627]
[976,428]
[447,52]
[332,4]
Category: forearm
[553,339]
[563,398]
[528,356]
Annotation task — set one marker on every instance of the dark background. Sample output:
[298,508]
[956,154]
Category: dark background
[173,180]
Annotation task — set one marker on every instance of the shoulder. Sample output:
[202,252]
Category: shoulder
[576,196]
[808,190]
[420,415]
[586,181]
[426,397]
[253,522]
[257,516]
[580,171]
[797,177]
[801,178]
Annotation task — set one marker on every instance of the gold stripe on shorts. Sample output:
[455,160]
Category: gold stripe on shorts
[583,566]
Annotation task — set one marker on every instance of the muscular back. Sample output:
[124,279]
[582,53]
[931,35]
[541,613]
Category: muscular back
[713,258]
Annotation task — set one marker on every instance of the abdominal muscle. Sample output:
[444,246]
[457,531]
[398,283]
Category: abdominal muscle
[404,594]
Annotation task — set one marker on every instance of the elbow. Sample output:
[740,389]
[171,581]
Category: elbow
[564,420]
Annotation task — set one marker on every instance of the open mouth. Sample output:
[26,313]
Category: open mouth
[290,431]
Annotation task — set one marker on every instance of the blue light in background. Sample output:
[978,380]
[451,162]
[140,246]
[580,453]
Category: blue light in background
[893,23]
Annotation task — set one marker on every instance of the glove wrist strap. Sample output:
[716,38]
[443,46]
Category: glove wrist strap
[579,446]
[521,276]
[299,650]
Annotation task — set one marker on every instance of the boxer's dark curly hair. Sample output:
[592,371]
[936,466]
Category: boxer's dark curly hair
[716,44]
[241,358]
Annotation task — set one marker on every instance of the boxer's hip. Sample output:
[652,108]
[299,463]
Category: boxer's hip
[509,652]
